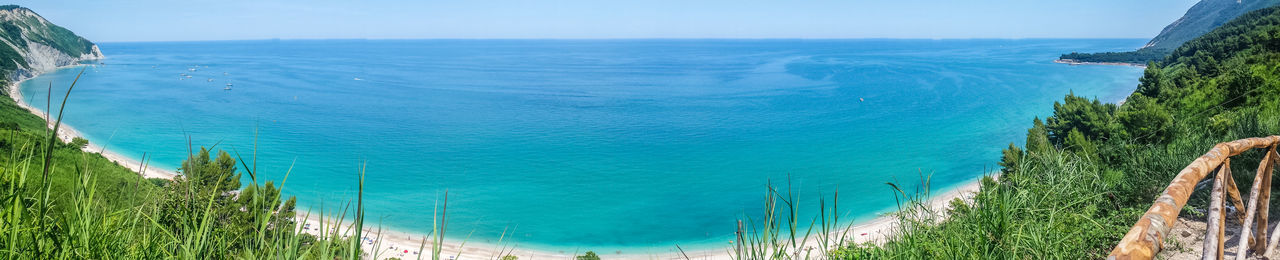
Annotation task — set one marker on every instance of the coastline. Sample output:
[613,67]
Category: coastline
[393,243]
[66,133]
[1075,63]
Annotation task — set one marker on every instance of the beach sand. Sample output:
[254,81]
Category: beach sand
[394,243]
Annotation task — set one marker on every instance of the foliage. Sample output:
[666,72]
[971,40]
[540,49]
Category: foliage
[1144,120]
[588,256]
[1038,137]
[1142,56]
[1091,118]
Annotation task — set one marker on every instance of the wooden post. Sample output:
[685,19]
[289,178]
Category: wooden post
[1264,206]
[1213,239]
[1246,228]
[1233,194]
[1271,245]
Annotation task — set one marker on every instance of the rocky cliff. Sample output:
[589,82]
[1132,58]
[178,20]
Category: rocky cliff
[33,45]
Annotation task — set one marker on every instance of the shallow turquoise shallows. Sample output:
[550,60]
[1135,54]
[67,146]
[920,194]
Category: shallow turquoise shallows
[609,145]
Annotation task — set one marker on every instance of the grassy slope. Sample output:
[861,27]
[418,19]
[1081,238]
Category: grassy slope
[1074,197]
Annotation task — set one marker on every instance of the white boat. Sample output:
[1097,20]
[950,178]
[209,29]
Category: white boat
[228,87]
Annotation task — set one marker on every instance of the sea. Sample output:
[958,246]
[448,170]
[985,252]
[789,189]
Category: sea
[572,145]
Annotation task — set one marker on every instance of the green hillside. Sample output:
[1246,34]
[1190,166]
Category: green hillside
[21,28]
[1199,19]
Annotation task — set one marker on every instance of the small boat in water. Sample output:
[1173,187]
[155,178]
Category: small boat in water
[228,87]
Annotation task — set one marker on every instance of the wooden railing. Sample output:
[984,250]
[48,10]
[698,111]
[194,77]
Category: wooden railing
[1144,240]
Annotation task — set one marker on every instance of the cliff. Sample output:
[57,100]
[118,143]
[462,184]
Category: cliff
[1202,18]
[32,45]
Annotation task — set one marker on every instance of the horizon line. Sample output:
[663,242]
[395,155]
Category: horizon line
[636,38]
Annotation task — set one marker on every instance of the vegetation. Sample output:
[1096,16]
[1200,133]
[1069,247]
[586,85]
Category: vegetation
[1141,56]
[1199,19]
[588,256]
[17,30]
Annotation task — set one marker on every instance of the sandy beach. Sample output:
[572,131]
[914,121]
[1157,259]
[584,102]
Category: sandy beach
[397,244]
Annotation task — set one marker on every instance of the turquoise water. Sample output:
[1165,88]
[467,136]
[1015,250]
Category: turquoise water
[592,144]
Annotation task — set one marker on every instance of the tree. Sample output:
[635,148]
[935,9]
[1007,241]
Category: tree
[588,256]
[78,143]
[1144,120]
[1092,118]
[1038,137]
[206,191]
[1012,156]
[1076,142]
[218,176]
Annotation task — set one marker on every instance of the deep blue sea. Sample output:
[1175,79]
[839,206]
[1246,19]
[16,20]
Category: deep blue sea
[585,144]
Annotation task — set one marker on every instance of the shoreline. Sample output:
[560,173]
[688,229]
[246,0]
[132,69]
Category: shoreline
[393,243]
[66,133]
[1076,63]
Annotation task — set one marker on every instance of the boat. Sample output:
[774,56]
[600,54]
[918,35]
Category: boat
[210,79]
[228,87]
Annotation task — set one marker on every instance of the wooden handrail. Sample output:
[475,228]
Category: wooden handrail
[1144,240]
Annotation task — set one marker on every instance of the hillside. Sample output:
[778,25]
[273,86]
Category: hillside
[1086,174]
[1199,19]
[33,45]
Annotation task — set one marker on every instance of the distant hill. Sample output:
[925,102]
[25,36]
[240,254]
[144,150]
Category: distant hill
[1199,19]
[32,45]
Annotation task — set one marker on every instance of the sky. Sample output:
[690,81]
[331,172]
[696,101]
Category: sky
[197,20]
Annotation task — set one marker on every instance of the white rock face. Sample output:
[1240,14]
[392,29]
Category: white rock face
[40,58]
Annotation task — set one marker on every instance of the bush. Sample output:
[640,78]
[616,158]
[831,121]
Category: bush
[588,256]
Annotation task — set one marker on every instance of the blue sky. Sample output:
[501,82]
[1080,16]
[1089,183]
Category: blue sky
[151,20]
